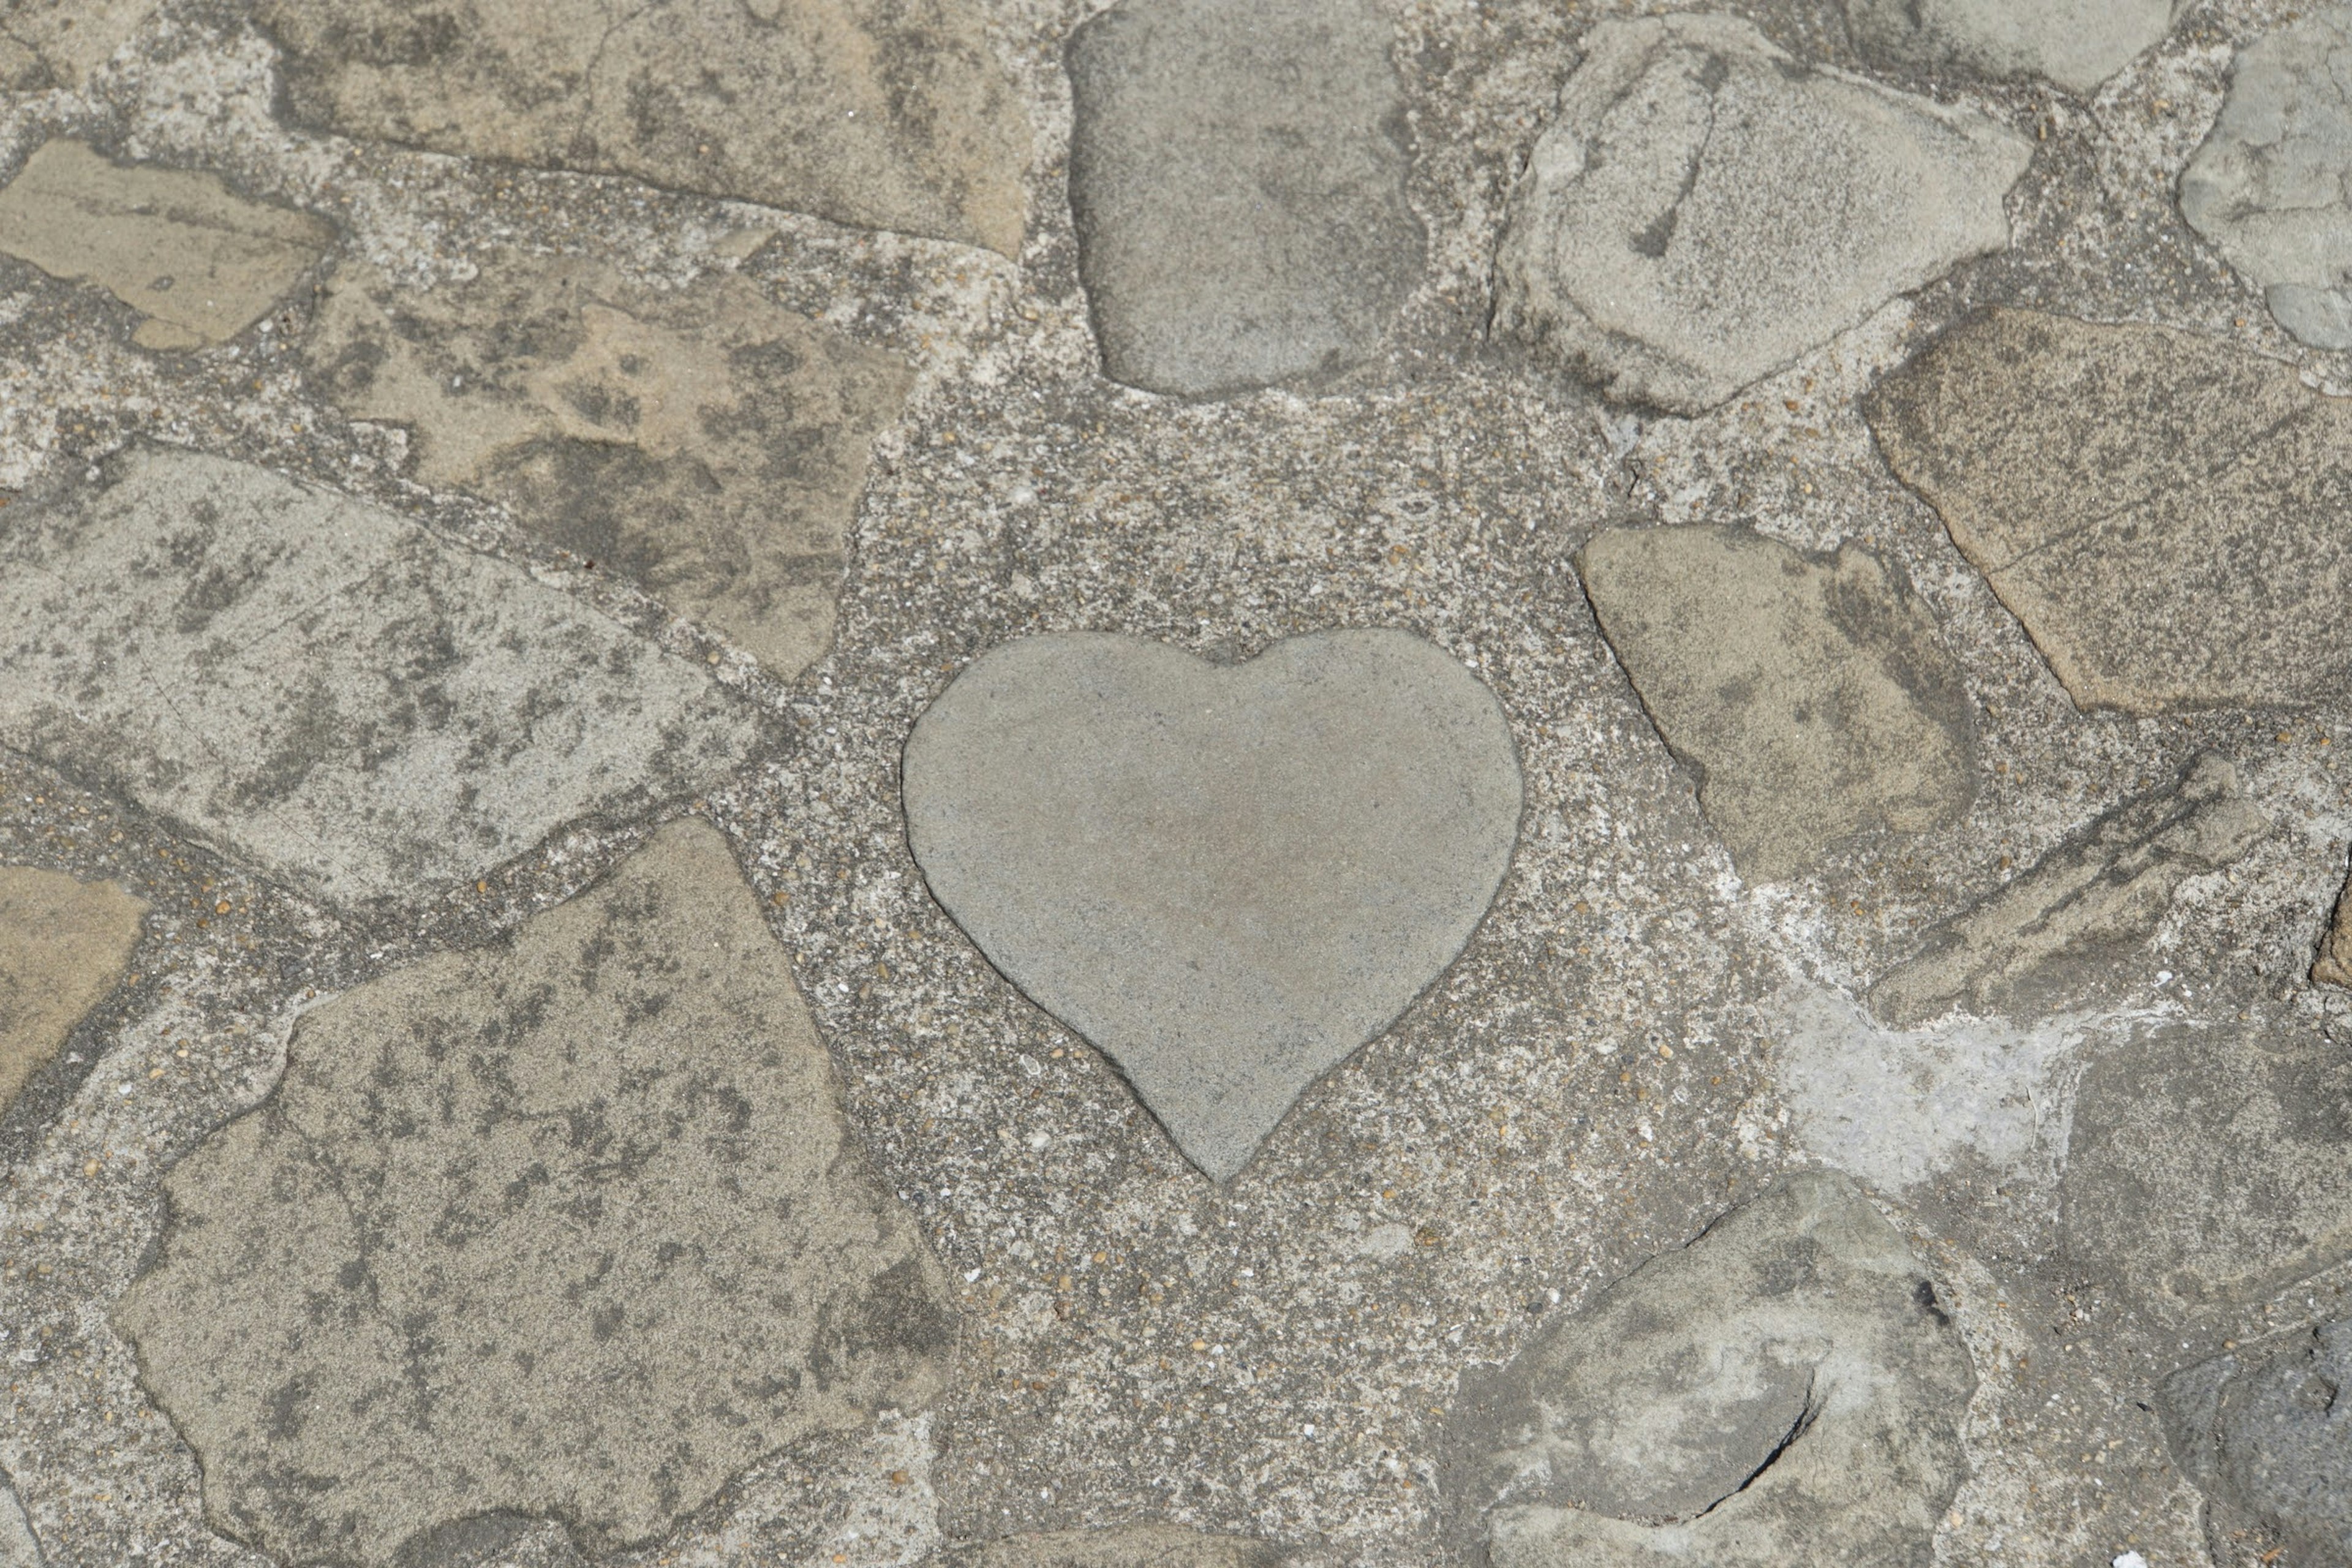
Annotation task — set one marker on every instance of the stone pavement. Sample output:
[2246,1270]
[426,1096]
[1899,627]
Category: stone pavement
[1026,784]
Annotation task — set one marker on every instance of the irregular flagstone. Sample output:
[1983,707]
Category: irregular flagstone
[1785,1391]
[2206,1166]
[703,440]
[63,944]
[1237,180]
[569,1226]
[1702,209]
[198,261]
[1814,696]
[58,43]
[2078,44]
[1120,1546]
[1226,879]
[883,113]
[2045,939]
[2112,483]
[2271,186]
[326,689]
[2264,1432]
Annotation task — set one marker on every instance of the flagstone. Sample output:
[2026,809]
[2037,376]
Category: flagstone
[63,944]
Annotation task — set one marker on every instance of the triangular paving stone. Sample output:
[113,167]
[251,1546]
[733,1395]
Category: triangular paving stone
[63,944]
[570,1226]
[1226,877]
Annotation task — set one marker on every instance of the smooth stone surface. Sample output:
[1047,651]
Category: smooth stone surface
[198,261]
[2113,482]
[702,441]
[2264,1431]
[1237,180]
[2046,937]
[568,1226]
[882,114]
[2271,186]
[2206,1166]
[46,43]
[1119,1546]
[63,944]
[1784,1391]
[1812,696]
[1703,210]
[2078,44]
[325,690]
[1227,879]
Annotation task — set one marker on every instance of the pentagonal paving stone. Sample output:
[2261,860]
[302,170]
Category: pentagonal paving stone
[198,262]
[2264,1431]
[63,945]
[1813,697]
[1237,179]
[883,113]
[2078,44]
[324,689]
[1702,209]
[569,1226]
[2114,484]
[1120,1546]
[702,441]
[1227,879]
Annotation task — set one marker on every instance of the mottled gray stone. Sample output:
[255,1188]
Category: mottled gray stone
[1813,697]
[702,441]
[326,689]
[17,1547]
[1120,1546]
[63,945]
[2046,937]
[1237,179]
[1227,879]
[569,1226]
[2265,1432]
[2078,44]
[2112,483]
[1702,210]
[2271,186]
[59,43]
[1783,1392]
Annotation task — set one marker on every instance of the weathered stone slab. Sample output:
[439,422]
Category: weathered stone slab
[569,1226]
[2078,44]
[703,440]
[1813,697]
[2112,483]
[1237,179]
[2045,938]
[200,262]
[2263,1432]
[1121,1546]
[1783,1392]
[63,946]
[323,689]
[58,43]
[1702,209]
[883,113]
[1227,879]
[2271,186]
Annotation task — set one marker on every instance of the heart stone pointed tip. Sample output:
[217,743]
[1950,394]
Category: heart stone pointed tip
[1227,878]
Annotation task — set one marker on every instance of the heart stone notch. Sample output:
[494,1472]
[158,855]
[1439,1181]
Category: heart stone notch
[1226,877]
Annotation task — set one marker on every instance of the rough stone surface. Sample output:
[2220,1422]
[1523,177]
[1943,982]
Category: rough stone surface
[1120,1546]
[2265,1432]
[2078,44]
[1227,879]
[569,1226]
[1813,697]
[46,43]
[2334,964]
[1785,1389]
[704,441]
[17,1547]
[1702,209]
[883,113]
[199,262]
[2271,186]
[63,945]
[2112,482]
[445,713]
[2047,935]
[1237,181]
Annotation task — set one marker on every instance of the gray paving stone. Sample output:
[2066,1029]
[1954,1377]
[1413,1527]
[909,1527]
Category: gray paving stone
[2271,186]
[1237,179]
[702,441]
[1702,209]
[1227,879]
[2112,483]
[569,1226]
[883,113]
[63,944]
[323,689]
[1785,1391]
[199,262]
[2049,936]
[2264,1432]
[2078,44]
[1813,697]
[1120,1546]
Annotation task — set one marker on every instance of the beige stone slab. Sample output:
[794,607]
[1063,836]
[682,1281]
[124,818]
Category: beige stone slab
[63,944]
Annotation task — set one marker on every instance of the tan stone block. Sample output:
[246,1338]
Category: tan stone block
[63,944]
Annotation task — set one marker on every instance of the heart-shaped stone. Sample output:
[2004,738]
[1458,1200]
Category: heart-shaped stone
[1227,878]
